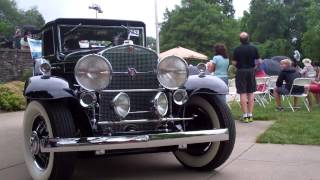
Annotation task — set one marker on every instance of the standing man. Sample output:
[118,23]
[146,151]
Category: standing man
[244,59]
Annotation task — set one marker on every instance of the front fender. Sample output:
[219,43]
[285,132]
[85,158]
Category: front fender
[206,83]
[45,88]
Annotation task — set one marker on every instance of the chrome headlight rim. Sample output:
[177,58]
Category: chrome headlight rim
[184,97]
[83,59]
[114,104]
[155,104]
[186,68]
[90,94]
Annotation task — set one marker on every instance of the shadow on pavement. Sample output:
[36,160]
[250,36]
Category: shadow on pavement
[144,166]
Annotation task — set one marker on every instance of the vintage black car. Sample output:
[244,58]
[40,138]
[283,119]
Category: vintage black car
[102,91]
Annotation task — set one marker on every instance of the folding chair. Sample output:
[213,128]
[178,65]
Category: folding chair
[300,82]
[262,90]
[271,86]
[233,96]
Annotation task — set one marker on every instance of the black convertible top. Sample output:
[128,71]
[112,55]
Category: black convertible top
[102,22]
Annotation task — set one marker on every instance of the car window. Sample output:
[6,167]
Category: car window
[86,37]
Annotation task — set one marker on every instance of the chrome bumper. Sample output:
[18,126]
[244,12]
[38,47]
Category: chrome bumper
[132,142]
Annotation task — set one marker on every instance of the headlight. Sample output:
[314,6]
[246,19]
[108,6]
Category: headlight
[93,72]
[88,99]
[180,96]
[172,72]
[161,103]
[121,105]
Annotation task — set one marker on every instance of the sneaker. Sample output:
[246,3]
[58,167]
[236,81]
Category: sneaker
[244,119]
[250,119]
[279,108]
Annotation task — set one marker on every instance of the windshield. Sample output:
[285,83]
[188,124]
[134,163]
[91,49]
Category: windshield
[77,37]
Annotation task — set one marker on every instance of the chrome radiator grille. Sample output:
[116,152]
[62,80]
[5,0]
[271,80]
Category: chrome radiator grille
[140,101]
[144,62]
[139,58]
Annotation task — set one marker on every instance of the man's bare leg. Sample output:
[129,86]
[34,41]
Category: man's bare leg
[295,102]
[309,97]
[250,102]
[277,97]
[243,103]
[317,96]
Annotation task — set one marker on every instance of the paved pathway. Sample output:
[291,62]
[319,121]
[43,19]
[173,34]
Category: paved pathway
[248,160]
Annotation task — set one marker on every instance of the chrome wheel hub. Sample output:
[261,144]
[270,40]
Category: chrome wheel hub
[39,131]
[35,143]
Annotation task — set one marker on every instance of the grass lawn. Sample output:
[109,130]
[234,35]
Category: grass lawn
[300,127]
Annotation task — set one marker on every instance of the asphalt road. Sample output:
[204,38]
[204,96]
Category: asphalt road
[248,160]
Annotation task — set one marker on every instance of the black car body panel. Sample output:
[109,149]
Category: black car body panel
[46,88]
[212,84]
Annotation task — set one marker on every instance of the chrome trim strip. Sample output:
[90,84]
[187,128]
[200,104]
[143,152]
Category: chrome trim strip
[132,142]
[139,112]
[134,45]
[133,90]
[142,121]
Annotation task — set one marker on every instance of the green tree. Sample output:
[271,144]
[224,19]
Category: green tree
[311,38]
[267,20]
[5,29]
[197,25]
[11,16]
[33,17]
[151,43]
[288,22]
[297,10]
[226,5]
[275,47]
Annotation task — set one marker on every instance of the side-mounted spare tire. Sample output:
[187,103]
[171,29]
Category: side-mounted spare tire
[47,120]
[211,113]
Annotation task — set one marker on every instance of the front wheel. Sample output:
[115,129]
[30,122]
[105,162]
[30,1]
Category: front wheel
[210,113]
[47,120]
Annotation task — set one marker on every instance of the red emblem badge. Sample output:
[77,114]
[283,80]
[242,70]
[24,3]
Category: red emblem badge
[132,72]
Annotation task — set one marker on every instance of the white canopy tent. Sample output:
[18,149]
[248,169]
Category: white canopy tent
[184,53]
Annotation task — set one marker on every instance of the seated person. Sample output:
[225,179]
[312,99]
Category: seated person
[308,70]
[260,69]
[259,74]
[287,74]
[24,41]
[315,88]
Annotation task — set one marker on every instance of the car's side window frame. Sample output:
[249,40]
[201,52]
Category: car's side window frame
[49,49]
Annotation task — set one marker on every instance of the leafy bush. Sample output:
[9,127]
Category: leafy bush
[26,74]
[276,47]
[11,96]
